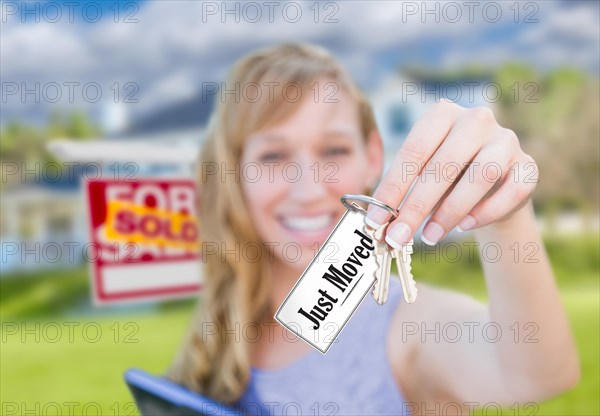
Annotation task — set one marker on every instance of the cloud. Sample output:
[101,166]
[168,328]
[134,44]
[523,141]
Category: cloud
[39,49]
[569,37]
[177,45]
[562,36]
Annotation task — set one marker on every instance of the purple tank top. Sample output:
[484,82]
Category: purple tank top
[353,378]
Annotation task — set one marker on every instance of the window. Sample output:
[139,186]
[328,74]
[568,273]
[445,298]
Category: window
[398,120]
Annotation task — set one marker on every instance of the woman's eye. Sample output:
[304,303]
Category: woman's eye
[271,156]
[337,151]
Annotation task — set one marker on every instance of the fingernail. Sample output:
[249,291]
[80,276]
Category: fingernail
[376,217]
[372,223]
[466,224]
[398,235]
[432,233]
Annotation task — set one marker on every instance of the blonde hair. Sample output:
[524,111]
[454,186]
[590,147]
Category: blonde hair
[236,293]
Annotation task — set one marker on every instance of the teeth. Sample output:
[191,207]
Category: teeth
[307,223]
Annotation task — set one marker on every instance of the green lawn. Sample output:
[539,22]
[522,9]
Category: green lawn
[89,369]
[84,373]
[89,373]
[584,313]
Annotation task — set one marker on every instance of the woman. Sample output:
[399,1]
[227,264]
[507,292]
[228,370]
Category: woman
[379,364]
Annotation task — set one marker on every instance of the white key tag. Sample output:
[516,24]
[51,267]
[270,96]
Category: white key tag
[335,283]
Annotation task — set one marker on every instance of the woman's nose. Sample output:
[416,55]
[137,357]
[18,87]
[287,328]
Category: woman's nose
[308,185]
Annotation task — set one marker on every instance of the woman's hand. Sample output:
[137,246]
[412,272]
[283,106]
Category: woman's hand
[469,172]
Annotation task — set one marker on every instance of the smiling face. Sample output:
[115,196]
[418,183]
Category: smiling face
[307,162]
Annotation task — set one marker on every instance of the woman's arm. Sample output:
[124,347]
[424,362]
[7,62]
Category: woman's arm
[446,347]
[467,171]
[522,290]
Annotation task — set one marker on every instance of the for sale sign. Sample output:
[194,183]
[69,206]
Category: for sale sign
[145,233]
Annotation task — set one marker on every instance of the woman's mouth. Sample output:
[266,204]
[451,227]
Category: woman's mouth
[309,229]
[307,224]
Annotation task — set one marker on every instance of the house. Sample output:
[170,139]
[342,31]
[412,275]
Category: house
[402,97]
[166,143]
[44,222]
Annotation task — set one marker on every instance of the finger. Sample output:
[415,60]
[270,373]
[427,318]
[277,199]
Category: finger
[512,194]
[490,166]
[442,170]
[422,141]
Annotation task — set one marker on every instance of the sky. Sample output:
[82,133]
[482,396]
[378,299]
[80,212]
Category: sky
[60,56]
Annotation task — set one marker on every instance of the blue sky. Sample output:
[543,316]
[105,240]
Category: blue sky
[169,48]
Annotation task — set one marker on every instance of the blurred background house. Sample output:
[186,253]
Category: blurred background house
[36,215]
[163,143]
[49,209]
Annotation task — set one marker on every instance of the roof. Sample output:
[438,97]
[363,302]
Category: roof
[190,114]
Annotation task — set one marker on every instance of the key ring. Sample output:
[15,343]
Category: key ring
[369,200]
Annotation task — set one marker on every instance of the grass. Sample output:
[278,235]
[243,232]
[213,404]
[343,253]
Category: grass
[575,262]
[583,310]
[86,368]
[83,370]
[42,293]
[89,373]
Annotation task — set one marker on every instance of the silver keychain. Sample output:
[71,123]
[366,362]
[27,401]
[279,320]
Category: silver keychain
[384,255]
